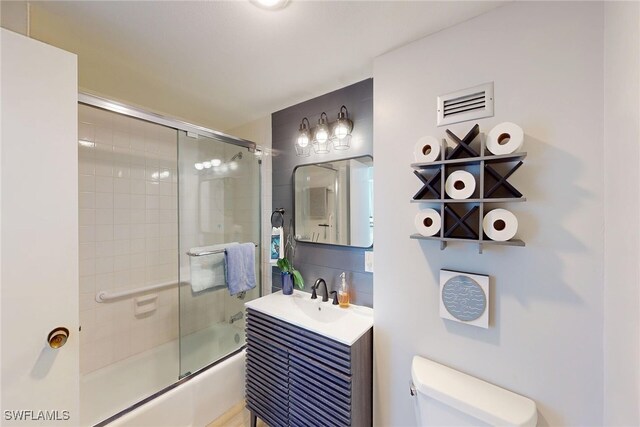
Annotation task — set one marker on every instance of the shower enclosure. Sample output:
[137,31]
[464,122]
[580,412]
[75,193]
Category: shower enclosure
[153,194]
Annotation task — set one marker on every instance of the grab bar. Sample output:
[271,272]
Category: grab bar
[104,296]
[205,253]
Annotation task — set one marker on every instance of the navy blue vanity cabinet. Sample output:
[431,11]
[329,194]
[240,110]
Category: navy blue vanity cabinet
[296,377]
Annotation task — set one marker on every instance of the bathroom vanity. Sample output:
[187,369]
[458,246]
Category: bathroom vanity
[309,362]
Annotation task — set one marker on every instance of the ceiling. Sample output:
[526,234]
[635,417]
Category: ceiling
[225,63]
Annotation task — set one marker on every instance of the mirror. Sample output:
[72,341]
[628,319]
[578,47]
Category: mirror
[334,202]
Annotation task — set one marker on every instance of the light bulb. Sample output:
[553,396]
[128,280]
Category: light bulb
[322,135]
[341,130]
[206,165]
[216,162]
[199,166]
[303,140]
[233,165]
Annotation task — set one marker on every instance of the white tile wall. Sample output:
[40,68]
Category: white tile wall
[128,233]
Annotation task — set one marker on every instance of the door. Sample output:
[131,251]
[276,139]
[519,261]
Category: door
[38,232]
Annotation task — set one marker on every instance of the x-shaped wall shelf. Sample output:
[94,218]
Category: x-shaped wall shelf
[492,173]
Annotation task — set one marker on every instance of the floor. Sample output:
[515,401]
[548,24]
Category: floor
[238,416]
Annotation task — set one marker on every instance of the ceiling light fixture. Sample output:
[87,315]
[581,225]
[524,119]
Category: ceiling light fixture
[270,4]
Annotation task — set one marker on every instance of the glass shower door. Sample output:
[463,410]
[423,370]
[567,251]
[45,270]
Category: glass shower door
[219,203]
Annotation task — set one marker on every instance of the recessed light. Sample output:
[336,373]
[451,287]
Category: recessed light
[270,4]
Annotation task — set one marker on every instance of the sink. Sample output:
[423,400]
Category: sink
[317,310]
[344,325]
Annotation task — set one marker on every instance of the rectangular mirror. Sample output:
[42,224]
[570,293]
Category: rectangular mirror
[334,202]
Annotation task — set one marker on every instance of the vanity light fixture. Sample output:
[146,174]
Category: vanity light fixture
[216,162]
[342,130]
[321,143]
[325,134]
[303,147]
[206,164]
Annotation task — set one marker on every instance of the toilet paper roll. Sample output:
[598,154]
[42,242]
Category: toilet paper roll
[500,225]
[428,222]
[460,185]
[505,138]
[427,149]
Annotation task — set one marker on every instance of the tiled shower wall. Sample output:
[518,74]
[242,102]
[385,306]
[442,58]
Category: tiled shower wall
[128,233]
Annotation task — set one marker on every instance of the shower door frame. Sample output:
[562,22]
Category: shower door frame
[179,125]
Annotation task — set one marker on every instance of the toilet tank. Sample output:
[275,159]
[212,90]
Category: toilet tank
[446,397]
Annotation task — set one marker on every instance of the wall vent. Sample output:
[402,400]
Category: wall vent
[467,104]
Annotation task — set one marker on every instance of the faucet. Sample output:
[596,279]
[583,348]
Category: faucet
[315,286]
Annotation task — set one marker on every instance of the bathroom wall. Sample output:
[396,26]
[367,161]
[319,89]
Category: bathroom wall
[545,339]
[622,253]
[14,16]
[314,260]
[128,233]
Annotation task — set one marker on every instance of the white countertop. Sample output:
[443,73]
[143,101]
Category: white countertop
[344,325]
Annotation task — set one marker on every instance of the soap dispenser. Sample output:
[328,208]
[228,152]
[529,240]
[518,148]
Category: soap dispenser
[343,292]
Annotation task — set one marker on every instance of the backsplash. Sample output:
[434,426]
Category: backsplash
[315,260]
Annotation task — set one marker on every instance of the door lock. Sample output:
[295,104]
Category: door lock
[58,337]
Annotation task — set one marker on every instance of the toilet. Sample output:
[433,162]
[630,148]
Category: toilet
[446,397]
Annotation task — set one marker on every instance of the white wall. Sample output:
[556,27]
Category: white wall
[622,253]
[546,334]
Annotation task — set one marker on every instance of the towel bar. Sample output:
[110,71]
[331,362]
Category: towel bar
[205,253]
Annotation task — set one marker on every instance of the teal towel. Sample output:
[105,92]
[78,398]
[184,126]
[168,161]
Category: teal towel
[240,267]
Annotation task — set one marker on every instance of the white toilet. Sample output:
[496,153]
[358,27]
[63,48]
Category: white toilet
[446,397]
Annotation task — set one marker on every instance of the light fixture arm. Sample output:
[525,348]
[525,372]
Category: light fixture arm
[304,126]
[343,114]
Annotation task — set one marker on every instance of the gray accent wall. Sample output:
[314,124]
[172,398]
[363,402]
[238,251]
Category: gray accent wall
[317,260]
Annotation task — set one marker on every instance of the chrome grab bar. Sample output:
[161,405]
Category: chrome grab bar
[205,253]
[104,296]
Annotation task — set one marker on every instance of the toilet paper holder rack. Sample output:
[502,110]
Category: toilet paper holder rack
[462,218]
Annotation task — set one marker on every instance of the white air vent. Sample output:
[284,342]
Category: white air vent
[468,104]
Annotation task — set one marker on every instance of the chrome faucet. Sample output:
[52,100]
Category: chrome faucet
[315,286]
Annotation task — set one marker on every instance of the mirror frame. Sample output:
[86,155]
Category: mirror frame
[293,190]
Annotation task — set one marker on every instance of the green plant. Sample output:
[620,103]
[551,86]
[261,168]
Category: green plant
[285,266]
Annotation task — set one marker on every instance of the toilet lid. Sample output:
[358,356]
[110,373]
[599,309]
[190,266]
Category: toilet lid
[473,396]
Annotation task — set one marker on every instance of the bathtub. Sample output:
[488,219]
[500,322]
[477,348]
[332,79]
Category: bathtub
[193,401]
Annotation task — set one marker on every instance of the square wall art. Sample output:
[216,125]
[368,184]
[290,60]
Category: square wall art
[464,298]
